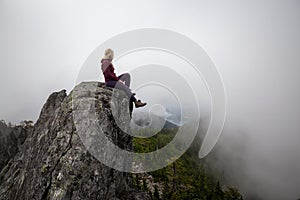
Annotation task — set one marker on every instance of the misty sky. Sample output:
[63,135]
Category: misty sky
[255,46]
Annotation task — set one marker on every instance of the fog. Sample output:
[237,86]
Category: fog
[255,45]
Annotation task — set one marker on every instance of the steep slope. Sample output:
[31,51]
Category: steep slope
[54,163]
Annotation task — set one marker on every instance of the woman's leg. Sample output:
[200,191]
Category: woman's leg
[121,86]
[125,77]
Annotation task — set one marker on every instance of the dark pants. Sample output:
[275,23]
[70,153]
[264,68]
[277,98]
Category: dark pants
[125,87]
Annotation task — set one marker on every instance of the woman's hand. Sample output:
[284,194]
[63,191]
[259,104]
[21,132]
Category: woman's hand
[122,81]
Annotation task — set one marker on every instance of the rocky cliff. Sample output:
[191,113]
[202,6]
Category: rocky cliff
[11,140]
[53,162]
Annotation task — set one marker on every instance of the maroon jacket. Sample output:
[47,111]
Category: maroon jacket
[108,70]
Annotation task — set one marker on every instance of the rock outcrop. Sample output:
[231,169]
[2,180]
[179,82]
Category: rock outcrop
[55,164]
[11,139]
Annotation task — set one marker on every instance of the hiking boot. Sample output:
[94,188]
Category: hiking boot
[138,104]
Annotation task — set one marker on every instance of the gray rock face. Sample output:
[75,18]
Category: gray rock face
[11,139]
[54,163]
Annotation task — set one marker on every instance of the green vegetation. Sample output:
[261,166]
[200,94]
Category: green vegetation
[185,178]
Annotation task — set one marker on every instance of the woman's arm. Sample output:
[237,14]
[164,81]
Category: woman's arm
[111,73]
[108,70]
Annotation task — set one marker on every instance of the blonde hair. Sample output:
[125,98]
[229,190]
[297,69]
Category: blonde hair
[109,54]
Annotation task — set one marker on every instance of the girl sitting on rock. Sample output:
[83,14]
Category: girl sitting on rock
[121,82]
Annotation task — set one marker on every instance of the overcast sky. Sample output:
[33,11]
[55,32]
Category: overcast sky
[255,46]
